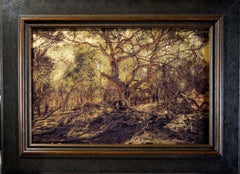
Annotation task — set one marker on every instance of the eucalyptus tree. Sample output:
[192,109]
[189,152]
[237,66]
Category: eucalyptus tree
[42,67]
[155,62]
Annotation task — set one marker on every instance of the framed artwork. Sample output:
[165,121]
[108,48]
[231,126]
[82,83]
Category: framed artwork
[121,85]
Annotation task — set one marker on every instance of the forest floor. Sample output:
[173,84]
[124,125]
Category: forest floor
[121,126]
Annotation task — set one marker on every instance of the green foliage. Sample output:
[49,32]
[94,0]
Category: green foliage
[42,66]
[144,64]
[83,67]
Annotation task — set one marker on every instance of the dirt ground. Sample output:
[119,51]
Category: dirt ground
[115,126]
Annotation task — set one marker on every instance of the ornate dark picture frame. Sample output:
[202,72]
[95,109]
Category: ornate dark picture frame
[19,156]
[29,24]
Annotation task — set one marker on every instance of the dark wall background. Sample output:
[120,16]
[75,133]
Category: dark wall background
[231,134]
[230,160]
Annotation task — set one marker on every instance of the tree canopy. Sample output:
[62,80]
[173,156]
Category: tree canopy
[104,70]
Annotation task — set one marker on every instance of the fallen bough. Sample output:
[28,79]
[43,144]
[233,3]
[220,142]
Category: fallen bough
[111,126]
